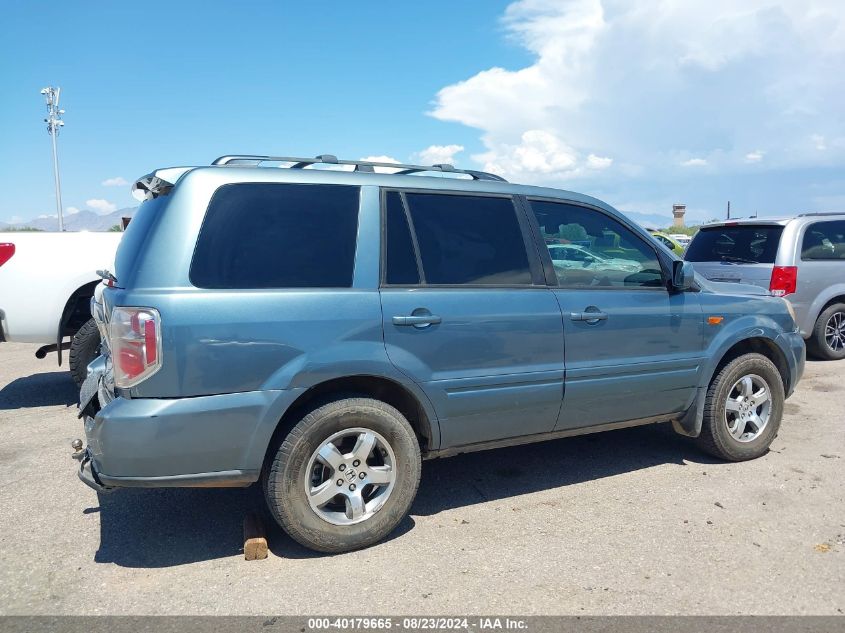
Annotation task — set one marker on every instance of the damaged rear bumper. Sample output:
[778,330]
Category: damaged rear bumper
[88,474]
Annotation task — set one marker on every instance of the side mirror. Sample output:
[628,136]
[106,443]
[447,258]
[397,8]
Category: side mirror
[682,275]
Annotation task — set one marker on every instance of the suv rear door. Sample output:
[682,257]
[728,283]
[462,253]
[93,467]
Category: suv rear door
[736,253]
[467,315]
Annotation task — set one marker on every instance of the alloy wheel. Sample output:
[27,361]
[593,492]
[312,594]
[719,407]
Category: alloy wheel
[350,476]
[834,332]
[748,408]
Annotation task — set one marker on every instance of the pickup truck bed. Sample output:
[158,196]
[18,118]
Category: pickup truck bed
[47,283]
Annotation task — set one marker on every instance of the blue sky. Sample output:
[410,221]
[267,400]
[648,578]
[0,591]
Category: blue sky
[642,104]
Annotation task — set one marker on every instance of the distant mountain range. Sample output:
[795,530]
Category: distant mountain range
[90,221]
[79,221]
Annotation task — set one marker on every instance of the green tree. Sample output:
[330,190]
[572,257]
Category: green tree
[573,232]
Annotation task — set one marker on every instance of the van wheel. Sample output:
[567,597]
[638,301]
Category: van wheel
[345,475]
[743,409]
[828,338]
[84,347]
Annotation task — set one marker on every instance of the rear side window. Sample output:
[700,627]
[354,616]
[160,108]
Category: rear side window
[824,240]
[400,258]
[468,240]
[743,244]
[274,235]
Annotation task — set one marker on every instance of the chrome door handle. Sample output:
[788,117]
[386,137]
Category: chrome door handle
[589,317]
[417,320]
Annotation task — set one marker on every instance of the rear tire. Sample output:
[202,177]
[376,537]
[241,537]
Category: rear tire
[317,482]
[743,409]
[827,340]
[84,347]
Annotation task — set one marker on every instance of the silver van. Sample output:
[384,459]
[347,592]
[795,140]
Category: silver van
[802,259]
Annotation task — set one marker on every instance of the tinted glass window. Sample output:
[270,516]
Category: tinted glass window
[400,260]
[469,240]
[744,244]
[260,235]
[824,240]
[589,248]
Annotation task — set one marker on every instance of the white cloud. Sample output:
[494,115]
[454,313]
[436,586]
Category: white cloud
[642,82]
[694,162]
[754,157]
[438,154]
[819,142]
[598,162]
[537,152]
[118,181]
[382,159]
[71,210]
[101,206]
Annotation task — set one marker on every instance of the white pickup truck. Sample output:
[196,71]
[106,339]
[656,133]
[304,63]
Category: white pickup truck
[46,284]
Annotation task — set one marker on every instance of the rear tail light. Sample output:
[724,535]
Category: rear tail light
[784,280]
[135,343]
[7,249]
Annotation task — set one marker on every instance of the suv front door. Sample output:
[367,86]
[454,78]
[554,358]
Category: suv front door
[633,348]
[467,316]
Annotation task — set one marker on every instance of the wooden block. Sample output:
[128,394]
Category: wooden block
[255,538]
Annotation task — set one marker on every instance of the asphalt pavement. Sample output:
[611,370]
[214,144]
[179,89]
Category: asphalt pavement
[636,521]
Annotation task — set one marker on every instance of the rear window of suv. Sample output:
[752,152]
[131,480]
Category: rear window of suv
[278,235]
[741,244]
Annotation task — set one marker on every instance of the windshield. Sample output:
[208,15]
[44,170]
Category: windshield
[742,244]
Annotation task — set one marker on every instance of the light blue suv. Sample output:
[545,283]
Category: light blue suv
[321,326]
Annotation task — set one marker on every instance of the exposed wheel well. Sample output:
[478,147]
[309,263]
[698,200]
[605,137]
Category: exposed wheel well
[77,309]
[758,345]
[376,387]
[839,299]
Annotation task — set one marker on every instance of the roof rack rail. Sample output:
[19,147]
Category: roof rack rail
[815,213]
[249,160]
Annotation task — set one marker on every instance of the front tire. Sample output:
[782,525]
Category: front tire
[84,347]
[743,409]
[345,476]
[828,338]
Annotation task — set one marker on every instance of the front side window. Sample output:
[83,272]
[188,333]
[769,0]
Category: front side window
[278,235]
[824,240]
[591,249]
[464,240]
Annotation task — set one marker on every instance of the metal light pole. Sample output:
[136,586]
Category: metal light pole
[54,122]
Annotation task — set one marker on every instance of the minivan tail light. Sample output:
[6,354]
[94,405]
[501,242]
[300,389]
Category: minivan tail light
[7,249]
[784,280]
[135,343]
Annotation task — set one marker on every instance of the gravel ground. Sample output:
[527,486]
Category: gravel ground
[633,521]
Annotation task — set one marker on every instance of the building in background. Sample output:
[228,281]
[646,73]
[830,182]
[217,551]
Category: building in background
[678,211]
